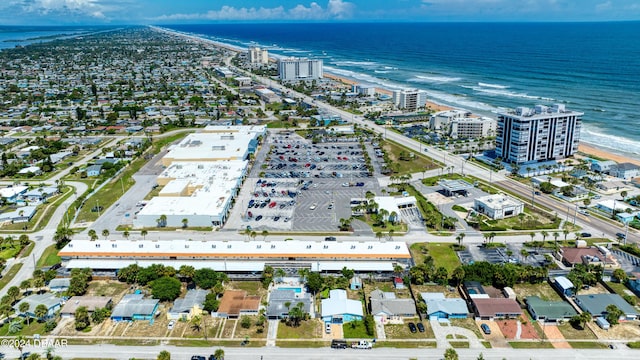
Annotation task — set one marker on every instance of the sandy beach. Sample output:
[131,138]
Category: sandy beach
[603,154]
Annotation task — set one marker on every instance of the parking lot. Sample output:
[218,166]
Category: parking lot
[299,186]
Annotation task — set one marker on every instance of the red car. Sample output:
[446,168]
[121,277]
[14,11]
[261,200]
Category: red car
[307,165]
[273,204]
[250,214]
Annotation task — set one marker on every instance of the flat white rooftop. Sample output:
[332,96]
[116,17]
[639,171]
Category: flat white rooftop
[498,201]
[246,250]
[220,173]
[203,203]
[253,129]
[211,147]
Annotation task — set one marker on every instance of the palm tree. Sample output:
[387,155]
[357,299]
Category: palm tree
[41,311]
[14,327]
[105,233]
[532,234]
[143,233]
[253,235]
[93,235]
[391,231]
[196,323]
[379,235]
[126,234]
[164,355]
[459,238]
[524,253]
[565,232]
[544,235]
[265,233]
[185,222]
[24,307]
[219,354]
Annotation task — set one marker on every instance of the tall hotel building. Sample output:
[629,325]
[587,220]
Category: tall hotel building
[533,135]
[293,69]
[258,55]
[409,100]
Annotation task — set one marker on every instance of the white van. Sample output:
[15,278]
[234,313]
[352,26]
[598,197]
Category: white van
[327,328]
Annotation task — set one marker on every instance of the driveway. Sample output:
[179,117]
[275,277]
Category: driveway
[444,329]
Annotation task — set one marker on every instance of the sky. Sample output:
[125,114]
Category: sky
[86,12]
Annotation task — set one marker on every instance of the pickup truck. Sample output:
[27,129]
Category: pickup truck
[362,344]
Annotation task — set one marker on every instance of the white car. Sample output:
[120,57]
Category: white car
[313,206]
[171,324]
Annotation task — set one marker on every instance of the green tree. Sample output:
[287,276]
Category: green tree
[245,322]
[99,315]
[166,288]
[186,272]
[211,302]
[164,355]
[93,235]
[126,234]
[185,223]
[315,282]
[24,307]
[196,323]
[143,233]
[105,233]
[82,318]
[620,275]
[613,314]
[13,293]
[450,354]
[206,278]
[15,326]
[41,311]
[219,354]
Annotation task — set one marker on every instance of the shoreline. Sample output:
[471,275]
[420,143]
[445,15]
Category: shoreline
[583,147]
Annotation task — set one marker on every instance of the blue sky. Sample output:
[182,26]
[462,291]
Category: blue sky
[58,12]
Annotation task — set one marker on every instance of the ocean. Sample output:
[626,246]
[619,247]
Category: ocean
[484,67]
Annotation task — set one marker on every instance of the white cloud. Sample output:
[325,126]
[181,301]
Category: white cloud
[336,9]
[603,6]
[91,8]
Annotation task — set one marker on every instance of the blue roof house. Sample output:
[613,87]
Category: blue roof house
[134,307]
[338,309]
[94,170]
[439,307]
[564,285]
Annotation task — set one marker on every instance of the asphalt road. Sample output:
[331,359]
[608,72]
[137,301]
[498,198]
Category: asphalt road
[273,353]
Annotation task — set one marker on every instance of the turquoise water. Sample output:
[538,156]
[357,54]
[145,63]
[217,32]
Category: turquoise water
[297,290]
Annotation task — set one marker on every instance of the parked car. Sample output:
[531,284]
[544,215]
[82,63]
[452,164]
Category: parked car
[485,329]
[313,206]
[259,217]
[412,327]
[585,234]
[420,327]
[330,238]
[327,328]
[171,324]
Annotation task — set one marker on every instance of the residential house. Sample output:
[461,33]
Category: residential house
[47,299]
[90,302]
[549,311]
[40,194]
[236,302]
[596,305]
[338,309]
[594,255]
[59,284]
[398,283]
[11,194]
[134,307]
[385,307]
[440,307]
[30,170]
[602,165]
[280,298]
[94,170]
[21,214]
[564,285]
[355,283]
[495,308]
[189,306]
[625,170]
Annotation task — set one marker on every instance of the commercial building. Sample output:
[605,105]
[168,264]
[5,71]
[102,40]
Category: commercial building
[540,134]
[472,127]
[498,206]
[201,193]
[266,95]
[294,69]
[442,119]
[208,147]
[237,256]
[409,100]
[258,56]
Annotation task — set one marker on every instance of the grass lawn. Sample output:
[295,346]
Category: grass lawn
[571,333]
[433,181]
[302,344]
[401,331]
[530,345]
[355,329]
[459,344]
[442,254]
[587,345]
[621,289]
[10,274]
[49,257]
[469,324]
[418,163]
[10,250]
[407,344]
[542,290]
[111,288]
[34,327]
[309,329]
[251,287]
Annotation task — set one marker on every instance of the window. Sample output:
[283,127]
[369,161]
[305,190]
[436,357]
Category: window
[258,246]
[213,246]
[229,246]
[140,246]
[157,246]
[273,246]
[114,245]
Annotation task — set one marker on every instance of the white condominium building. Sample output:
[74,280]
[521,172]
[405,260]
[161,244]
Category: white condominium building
[293,69]
[540,134]
[472,127]
[409,100]
[258,55]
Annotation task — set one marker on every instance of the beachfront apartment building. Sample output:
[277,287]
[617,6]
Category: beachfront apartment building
[472,127]
[409,100]
[535,135]
[258,56]
[294,69]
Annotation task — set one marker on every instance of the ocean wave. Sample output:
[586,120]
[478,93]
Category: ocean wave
[354,63]
[494,86]
[434,79]
[618,144]
[381,71]
[507,93]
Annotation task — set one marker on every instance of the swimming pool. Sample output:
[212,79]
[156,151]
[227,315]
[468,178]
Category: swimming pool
[297,290]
